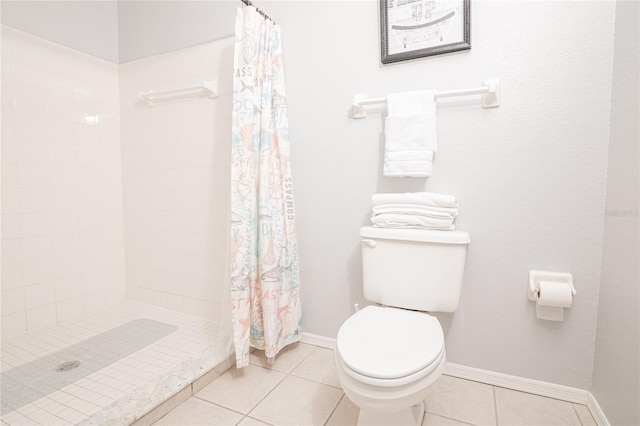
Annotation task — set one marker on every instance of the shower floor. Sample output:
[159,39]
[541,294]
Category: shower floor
[109,367]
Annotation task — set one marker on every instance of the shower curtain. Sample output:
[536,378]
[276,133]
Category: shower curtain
[265,283]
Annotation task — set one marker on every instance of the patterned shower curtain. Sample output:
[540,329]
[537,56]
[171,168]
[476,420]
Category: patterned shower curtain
[265,283]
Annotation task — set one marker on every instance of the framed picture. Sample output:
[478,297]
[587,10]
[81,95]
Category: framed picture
[417,28]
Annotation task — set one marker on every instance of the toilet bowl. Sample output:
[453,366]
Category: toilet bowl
[385,359]
[388,354]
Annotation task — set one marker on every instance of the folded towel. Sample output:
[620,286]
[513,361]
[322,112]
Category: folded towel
[443,212]
[389,220]
[410,132]
[422,198]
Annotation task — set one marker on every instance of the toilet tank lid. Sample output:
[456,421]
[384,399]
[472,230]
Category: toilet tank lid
[422,235]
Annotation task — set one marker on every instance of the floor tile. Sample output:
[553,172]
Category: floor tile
[345,414]
[318,367]
[585,415]
[248,421]
[195,412]
[286,360]
[520,408]
[435,420]
[462,400]
[297,401]
[241,389]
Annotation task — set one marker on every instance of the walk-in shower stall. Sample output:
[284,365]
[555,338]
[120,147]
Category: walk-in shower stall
[114,210]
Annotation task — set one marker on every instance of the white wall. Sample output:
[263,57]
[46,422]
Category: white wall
[616,372]
[62,230]
[88,26]
[176,180]
[530,176]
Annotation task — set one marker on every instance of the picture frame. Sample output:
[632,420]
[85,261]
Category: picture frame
[413,29]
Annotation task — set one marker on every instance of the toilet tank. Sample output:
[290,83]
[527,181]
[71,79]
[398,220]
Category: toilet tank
[413,268]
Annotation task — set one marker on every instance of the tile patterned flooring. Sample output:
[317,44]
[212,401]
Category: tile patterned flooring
[301,388]
[113,384]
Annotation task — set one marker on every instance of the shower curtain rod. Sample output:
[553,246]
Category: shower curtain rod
[248,3]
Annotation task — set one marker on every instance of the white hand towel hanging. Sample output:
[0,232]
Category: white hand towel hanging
[410,134]
[408,163]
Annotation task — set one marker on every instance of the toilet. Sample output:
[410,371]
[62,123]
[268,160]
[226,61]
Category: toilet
[388,354]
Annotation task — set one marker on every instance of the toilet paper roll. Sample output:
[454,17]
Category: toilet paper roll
[555,294]
[549,313]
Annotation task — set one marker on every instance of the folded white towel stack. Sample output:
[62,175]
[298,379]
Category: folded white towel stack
[410,134]
[419,210]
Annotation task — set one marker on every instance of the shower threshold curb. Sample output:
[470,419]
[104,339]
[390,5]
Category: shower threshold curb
[181,395]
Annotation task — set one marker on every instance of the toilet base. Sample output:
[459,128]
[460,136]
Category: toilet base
[411,416]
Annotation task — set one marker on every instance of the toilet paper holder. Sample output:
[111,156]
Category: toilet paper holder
[535,277]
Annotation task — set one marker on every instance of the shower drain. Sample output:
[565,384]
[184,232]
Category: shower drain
[66,366]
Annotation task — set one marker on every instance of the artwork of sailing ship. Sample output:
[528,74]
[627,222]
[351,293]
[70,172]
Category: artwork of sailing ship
[417,28]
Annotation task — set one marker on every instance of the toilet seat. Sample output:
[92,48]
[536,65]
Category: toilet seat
[384,344]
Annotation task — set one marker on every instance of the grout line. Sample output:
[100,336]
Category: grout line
[221,406]
[261,421]
[285,375]
[316,382]
[292,368]
[304,357]
[578,415]
[268,393]
[306,378]
[495,404]
[450,418]
[322,384]
[334,409]
[280,382]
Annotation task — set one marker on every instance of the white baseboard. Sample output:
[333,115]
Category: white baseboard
[317,340]
[549,390]
[596,411]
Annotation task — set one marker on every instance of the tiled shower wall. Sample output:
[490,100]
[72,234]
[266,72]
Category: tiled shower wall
[176,179]
[62,222]
[74,133]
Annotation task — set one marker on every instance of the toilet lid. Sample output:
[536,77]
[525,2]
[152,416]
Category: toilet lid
[389,343]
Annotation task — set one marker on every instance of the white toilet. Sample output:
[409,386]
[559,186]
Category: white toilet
[387,355]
